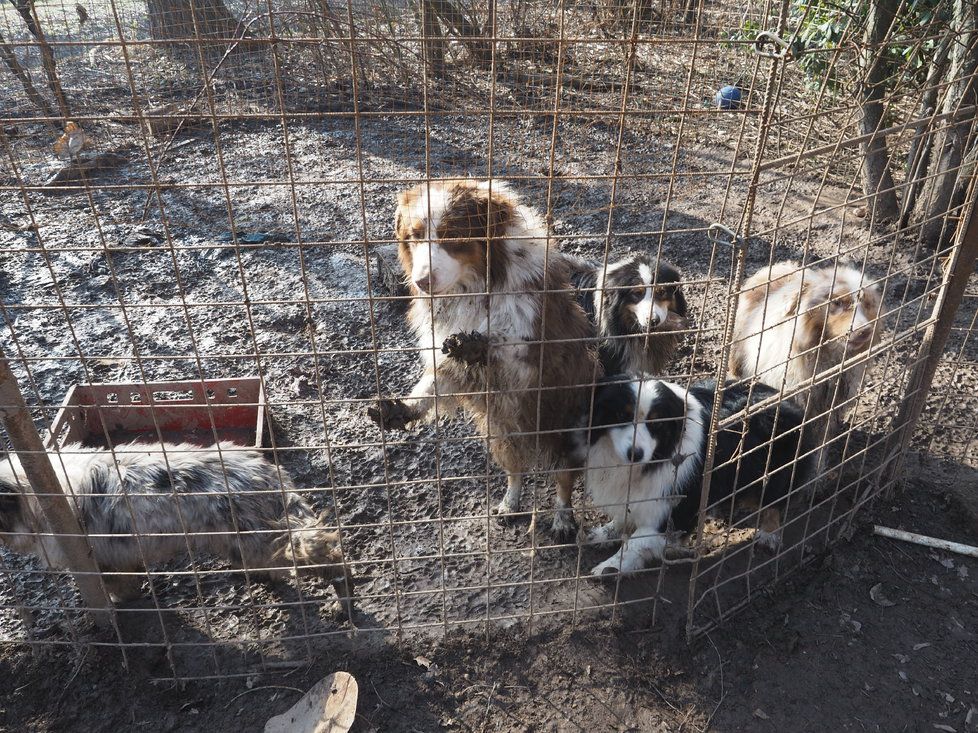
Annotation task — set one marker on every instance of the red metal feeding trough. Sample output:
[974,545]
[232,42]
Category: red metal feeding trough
[201,411]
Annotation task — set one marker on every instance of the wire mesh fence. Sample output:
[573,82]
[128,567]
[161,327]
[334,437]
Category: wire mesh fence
[201,222]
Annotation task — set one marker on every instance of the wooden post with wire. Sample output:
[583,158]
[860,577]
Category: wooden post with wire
[57,515]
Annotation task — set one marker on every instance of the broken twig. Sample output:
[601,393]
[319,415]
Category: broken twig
[919,539]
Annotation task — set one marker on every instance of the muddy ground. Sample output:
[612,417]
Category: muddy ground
[112,282]
[144,302]
[816,653]
[112,299]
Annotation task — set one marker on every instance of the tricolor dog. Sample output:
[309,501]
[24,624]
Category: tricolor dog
[644,453]
[637,306]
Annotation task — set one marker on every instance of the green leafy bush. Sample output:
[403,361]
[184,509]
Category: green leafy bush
[818,27]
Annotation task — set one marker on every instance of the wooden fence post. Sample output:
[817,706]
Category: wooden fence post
[57,515]
[957,272]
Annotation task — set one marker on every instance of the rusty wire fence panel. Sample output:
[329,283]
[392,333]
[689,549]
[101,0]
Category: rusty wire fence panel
[230,215]
[816,182]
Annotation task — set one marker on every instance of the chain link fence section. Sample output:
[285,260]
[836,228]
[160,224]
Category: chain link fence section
[204,190]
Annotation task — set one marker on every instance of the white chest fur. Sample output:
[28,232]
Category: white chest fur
[510,316]
[642,495]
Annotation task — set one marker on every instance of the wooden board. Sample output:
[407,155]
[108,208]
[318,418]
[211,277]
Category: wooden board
[329,707]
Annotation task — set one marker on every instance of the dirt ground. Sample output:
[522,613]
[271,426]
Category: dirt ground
[817,653]
[109,299]
[125,281]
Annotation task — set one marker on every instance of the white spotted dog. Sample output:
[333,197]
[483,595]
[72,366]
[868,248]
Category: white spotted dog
[644,455]
[151,503]
[795,323]
[638,308]
[499,330]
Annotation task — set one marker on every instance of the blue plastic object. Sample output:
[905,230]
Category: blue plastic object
[728,98]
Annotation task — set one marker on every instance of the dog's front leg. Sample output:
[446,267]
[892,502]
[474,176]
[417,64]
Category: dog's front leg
[605,534]
[510,504]
[398,414]
[564,526]
[123,588]
[644,545]
[769,532]
[471,349]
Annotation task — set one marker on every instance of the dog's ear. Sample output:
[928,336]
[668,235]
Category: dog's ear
[405,199]
[796,303]
[500,215]
[489,215]
[679,300]
[401,233]
[326,518]
[407,196]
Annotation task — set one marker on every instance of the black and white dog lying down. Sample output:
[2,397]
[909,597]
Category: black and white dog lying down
[637,306]
[151,503]
[644,462]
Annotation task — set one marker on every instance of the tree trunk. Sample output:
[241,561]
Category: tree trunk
[877,179]
[951,142]
[26,10]
[965,174]
[187,22]
[433,43]
[919,153]
[10,59]
[465,30]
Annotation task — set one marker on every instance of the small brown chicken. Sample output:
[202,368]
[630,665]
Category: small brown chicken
[71,142]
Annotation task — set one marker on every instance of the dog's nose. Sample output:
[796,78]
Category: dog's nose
[634,455]
[424,284]
[654,320]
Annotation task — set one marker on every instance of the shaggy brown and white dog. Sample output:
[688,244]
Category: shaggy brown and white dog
[152,503]
[500,332]
[795,323]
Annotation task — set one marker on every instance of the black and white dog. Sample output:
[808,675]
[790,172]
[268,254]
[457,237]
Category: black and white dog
[637,306]
[644,462]
[152,503]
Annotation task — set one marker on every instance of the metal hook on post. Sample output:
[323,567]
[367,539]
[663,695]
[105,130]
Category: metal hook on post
[770,45]
[721,234]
